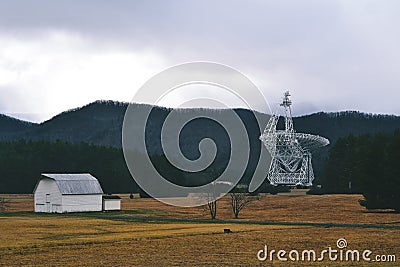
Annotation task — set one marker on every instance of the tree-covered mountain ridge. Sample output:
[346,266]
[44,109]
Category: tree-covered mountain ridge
[100,123]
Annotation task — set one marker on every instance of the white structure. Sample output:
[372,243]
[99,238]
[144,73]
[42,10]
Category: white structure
[290,151]
[111,202]
[68,193]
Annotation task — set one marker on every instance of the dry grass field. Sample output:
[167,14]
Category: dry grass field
[106,239]
[280,208]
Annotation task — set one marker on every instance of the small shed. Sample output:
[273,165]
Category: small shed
[111,202]
[78,192]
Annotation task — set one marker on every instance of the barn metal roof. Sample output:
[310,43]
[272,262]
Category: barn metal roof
[75,183]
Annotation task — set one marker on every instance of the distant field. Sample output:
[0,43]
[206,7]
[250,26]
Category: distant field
[282,208]
[123,239]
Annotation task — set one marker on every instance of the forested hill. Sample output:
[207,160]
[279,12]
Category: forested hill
[11,128]
[339,124]
[96,123]
[100,123]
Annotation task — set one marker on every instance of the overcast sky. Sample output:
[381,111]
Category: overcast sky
[332,55]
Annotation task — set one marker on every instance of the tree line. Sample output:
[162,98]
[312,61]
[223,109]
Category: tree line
[22,162]
[367,164]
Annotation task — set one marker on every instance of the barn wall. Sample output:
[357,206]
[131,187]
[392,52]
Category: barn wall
[77,203]
[47,186]
[111,204]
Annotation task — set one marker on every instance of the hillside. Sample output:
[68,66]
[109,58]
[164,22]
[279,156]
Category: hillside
[100,123]
[96,123]
[11,128]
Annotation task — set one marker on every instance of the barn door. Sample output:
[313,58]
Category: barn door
[48,206]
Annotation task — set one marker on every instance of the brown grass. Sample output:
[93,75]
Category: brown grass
[63,240]
[281,208]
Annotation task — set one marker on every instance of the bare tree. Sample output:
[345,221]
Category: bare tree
[239,201]
[213,191]
[212,207]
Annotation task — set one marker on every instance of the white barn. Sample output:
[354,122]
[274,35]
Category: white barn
[68,193]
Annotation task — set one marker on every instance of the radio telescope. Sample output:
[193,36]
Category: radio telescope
[290,151]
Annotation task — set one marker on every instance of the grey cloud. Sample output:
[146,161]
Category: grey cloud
[333,55]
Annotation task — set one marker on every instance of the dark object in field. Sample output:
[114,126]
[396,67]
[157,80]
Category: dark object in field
[227,231]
